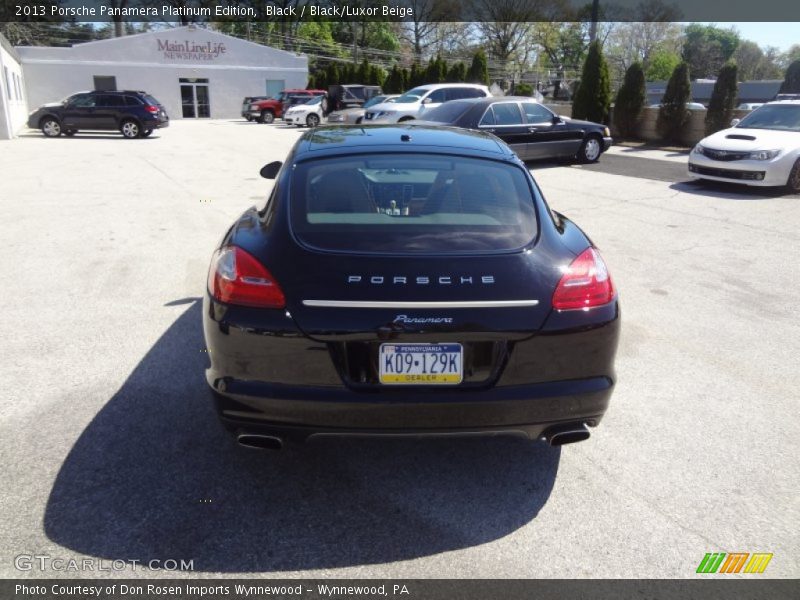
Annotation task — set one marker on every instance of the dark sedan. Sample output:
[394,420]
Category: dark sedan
[407,280]
[531,129]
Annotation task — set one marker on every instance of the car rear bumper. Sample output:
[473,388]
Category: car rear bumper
[303,412]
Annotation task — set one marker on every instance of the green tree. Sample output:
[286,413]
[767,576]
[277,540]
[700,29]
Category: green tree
[593,98]
[630,100]
[333,76]
[706,48]
[479,69]
[436,71]
[377,76]
[457,73]
[723,99]
[753,63]
[791,81]
[662,64]
[415,76]
[792,54]
[523,89]
[363,72]
[312,83]
[394,81]
[673,114]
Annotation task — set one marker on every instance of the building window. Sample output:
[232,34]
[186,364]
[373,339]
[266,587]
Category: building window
[105,83]
[17,87]
[8,82]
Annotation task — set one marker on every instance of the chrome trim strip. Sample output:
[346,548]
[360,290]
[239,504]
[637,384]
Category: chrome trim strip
[458,304]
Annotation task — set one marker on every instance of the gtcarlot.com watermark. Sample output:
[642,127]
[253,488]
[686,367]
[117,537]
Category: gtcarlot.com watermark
[45,562]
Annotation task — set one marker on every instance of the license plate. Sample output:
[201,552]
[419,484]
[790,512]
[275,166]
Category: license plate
[421,364]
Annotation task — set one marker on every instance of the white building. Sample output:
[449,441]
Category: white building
[13,110]
[193,72]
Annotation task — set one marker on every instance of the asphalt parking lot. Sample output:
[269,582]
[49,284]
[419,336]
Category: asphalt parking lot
[110,448]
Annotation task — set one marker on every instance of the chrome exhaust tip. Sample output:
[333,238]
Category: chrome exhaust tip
[259,442]
[567,434]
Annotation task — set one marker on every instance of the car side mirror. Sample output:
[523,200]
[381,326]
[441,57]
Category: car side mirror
[735,122]
[269,171]
[556,119]
[427,101]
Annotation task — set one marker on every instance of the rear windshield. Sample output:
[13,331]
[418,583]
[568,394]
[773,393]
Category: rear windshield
[412,204]
[150,100]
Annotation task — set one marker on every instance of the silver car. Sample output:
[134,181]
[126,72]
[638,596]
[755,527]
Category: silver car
[353,116]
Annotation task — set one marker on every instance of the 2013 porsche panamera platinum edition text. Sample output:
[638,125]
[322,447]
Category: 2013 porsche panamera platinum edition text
[407,280]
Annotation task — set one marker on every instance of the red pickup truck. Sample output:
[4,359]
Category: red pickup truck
[266,111]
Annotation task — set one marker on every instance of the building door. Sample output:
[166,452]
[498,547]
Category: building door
[195,100]
[275,87]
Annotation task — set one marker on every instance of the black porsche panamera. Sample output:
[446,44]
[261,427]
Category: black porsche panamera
[407,280]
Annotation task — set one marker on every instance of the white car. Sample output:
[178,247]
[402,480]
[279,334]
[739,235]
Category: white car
[414,103]
[310,113]
[762,149]
[749,106]
[689,106]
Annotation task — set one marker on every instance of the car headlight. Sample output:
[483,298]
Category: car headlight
[764,154]
[384,113]
[698,149]
[607,132]
[254,107]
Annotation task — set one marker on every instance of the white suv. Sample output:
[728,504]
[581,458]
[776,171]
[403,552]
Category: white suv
[414,103]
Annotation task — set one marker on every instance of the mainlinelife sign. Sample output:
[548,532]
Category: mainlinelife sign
[187,50]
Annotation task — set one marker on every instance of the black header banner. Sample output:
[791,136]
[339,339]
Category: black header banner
[199,11]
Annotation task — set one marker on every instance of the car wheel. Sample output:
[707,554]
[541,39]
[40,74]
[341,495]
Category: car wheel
[591,149]
[312,120]
[267,116]
[793,183]
[70,132]
[146,132]
[51,127]
[130,129]
[358,120]
[249,118]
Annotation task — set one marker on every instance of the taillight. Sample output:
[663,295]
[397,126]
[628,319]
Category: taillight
[236,277]
[151,109]
[585,283]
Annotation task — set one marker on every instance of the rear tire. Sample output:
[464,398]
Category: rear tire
[793,183]
[130,129]
[51,127]
[267,116]
[312,120]
[590,150]
[249,118]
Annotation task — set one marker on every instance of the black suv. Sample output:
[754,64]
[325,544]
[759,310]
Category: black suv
[134,114]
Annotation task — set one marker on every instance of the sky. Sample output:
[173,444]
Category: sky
[782,35]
